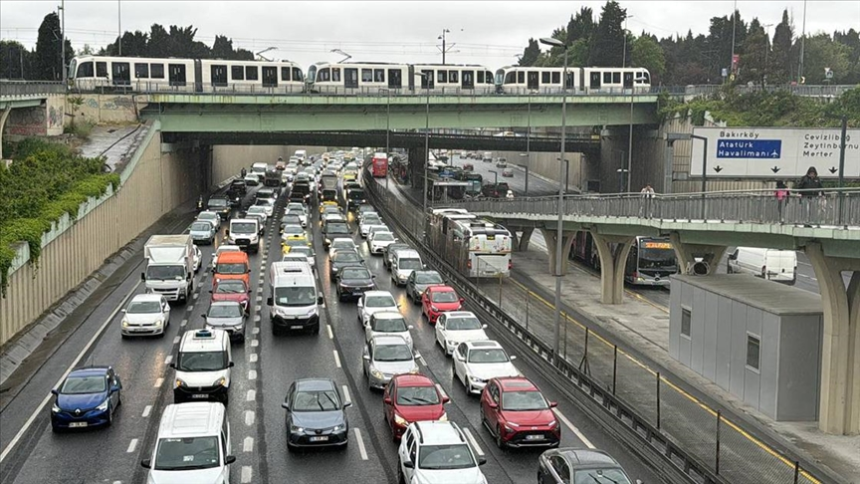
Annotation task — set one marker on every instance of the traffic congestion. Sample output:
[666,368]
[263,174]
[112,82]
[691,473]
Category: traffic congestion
[289,334]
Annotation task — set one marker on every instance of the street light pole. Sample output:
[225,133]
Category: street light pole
[624,52]
[63,41]
[528,141]
[704,170]
[559,243]
[387,134]
[630,141]
[426,139]
[119,26]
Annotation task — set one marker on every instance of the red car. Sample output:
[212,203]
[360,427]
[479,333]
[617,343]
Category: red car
[517,414]
[411,398]
[232,290]
[439,299]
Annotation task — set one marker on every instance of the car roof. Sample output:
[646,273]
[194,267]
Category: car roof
[223,303]
[89,370]
[388,340]
[191,419]
[233,256]
[588,457]
[147,297]
[387,315]
[409,380]
[203,340]
[483,344]
[408,253]
[441,289]
[517,383]
[379,293]
[342,239]
[315,384]
[436,432]
[460,314]
[227,248]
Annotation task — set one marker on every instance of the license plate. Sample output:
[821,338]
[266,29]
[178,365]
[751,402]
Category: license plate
[534,437]
[77,424]
[296,327]
[199,396]
[322,438]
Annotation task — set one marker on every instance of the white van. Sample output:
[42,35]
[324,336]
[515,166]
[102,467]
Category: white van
[405,261]
[771,264]
[293,297]
[487,157]
[193,445]
[259,168]
[244,233]
[203,366]
[301,154]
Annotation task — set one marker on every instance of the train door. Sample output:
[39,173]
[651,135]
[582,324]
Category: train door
[533,80]
[468,79]
[198,75]
[270,76]
[350,77]
[121,73]
[395,79]
[628,80]
[176,74]
[594,81]
[427,81]
[218,75]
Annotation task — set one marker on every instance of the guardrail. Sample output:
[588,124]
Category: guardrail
[839,208]
[666,423]
[16,89]
[825,91]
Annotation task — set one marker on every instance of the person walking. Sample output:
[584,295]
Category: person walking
[781,194]
[647,194]
[244,172]
[811,194]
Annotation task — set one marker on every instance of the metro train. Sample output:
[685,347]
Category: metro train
[285,77]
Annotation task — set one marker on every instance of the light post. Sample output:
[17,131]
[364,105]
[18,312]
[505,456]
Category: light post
[387,133]
[559,243]
[495,177]
[566,175]
[119,27]
[425,76]
[630,134]
[528,140]
[526,167]
[63,74]
[624,52]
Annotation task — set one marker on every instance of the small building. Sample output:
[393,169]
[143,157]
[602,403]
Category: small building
[758,340]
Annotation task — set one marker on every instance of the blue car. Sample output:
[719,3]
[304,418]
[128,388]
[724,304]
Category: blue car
[86,398]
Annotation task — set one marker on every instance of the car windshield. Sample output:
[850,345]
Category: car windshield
[201,361]
[299,241]
[493,355]
[256,209]
[355,273]
[338,228]
[225,311]
[264,202]
[522,401]
[165,273]
[371,219]
[293,230]
[389,325]
[207,216]
[409,264]
[428,278]
[456,456]
[230,287]
[291,219]
[186,453]
[392,353]
[305,251]
[77,385]
[230,268]
[315,401]
[417,396]
[295,296]
[383,237]
[243,228]
[600,476]
[347,257]
[443,296]
[201,226]
[463,324]
[296,212]
[217,202]
[379,302]
[343,244]
[144,307]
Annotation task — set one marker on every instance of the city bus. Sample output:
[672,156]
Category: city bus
[379,165]
[650,262]
[475,247]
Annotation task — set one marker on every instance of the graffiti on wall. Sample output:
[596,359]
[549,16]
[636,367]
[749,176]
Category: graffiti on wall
[55,116]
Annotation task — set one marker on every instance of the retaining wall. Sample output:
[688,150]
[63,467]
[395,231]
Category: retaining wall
[228,160]
[106,108]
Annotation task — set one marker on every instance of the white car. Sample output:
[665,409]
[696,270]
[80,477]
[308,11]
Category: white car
[146,314]
[378,241]
[376,227]
[388,323]
[211,217]
[198,256]
[374,302]
[292,230]
[268,204]
[340,243]
[455,327]
[437,452]
[220,249]
[301,214]
[476,362]
[366,221]
[307,252]
[260,211]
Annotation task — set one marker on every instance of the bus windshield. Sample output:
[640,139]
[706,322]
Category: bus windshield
[655,254]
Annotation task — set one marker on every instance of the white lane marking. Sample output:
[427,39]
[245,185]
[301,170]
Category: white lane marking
[255,343]
[258,308]
[361,448]
[131,446]
[255,330]
[74,364]
[190,308]
[253,358]
[176,340]
[194,296]
[168,359]
[573,428]
[249,417]
[472,440]
[259,299]
[441,391]
[248,444]
[252,374]
[330,333]
[158,383]
[247,474]
[183,323]
[346,394]
[146,411]
[336,359]
[117,482]
[256,318]
[252,395]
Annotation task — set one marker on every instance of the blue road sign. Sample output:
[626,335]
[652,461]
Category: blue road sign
[742,148]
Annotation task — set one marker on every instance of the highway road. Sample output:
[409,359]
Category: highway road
[265,367]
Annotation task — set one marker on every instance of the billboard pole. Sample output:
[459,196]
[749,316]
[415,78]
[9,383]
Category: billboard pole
[842,165]
[704,171]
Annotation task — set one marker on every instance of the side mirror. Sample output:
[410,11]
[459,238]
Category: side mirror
[269,301]
[493,405]
[125,310]
[54,391]
[319,300]
[553,404]
[249,291]
[285,406]
[483,326]
[226,231]
[387,400]
[482,460]
[373,276]
[446,399]
[146,463]
[408,464]
[142,276]
[172,365]
[230,459]
[188,276]
[210,292]
[347,404]
[231,365]
[462,300]
[366,356]
[360,304]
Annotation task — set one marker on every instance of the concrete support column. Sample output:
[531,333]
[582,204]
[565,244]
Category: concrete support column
[515,246]
[840,362]
[3,117]
[526,238]
[417,159]
[550,238]
[612,251]
[688,253]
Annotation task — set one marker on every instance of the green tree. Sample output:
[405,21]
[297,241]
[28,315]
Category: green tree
[646,52]
[48,62]
[159,42]
[850,39]
[15,60]
[606,47]
[580,26]
[780,60]
[822,52]
[530,54]
[86,50]
[756,56]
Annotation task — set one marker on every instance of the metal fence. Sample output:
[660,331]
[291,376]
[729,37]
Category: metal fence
[823,91]
[654,406]
[17,89]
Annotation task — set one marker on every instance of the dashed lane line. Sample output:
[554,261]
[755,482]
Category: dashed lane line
[158,383]
[573,428]
[251,396]
[346,397]
[330,333]
[131,446]
[255,330]
[248,444]
[168,359]
[252,374]
[252,357]
[472,441]
[247,474]
[183,323]
[255,343]
[176,340]
[336,359]
[249,417]
[146,411]
[190,308]
[361,449]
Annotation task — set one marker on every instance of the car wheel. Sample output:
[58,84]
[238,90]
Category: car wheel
[109,416]
[400,478]
[499,442]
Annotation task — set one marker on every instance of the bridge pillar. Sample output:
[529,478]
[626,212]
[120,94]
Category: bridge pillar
[688,253]
[550,237]
[524,240]
[612,251]
[4,115]
[417,160]
[839,402]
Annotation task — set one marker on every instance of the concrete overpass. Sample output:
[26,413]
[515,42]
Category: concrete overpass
[39,108]
[701,227]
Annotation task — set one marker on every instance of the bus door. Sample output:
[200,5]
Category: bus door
[533,80]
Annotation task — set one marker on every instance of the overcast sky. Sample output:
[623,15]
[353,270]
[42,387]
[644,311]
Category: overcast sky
[485,32]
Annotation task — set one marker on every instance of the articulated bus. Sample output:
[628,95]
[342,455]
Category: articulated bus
[475,247]
[379,165]
[650,262]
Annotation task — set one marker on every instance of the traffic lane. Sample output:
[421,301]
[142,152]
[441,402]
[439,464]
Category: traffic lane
[537,185]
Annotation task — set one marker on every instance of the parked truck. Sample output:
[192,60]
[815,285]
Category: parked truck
[169,266]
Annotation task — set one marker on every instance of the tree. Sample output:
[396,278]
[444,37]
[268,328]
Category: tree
[756,56]
[15,60]
[530,54]
[86,50]
[606,47]
[646,52]
[159,42]
[222,48]
[581,26]
[820,53]
[780,61]
[49,58]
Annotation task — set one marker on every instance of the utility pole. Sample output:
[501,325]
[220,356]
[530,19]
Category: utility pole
[63,40]
[734,25]
[802,45]
[445,47]
[624,52]
[119,26]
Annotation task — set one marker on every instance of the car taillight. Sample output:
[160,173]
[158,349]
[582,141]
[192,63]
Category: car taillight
[469,264]
[510,264]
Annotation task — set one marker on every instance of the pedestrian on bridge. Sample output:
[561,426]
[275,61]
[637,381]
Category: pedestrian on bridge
[781,196]
[811,195]
[647,195]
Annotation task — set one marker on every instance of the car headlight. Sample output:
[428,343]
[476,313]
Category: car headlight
[475,379]
[55,408]
[104,405]
[511,424]
[444,417]
[294,428]
[125,323]
[553,424]
[434,308]
[159,322]
[178,383]
[400,420]
[221,382]
[338,428]
[376,373]
[311,312]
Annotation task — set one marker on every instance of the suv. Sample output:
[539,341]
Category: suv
[203,366]
[495,190]
[438,452]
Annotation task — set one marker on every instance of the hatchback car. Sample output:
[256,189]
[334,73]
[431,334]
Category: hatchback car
[571,465]
[228,316]
[477,362]
[366,221]
[374,302]
[202,232]
[87,397]
[517,414]
[384,357]
[439,299]
[438,452]
[412,398]
[354,282]
[300,213]
[292,230]
[146,314]
[268,205]
[377,241]
[455,327]
[388,323]
[342,259]
[235,290]
[508,172]
[419,281]
[334,230]
[260,211]
[316,415]
[211,217]
[307,252]
[290,219]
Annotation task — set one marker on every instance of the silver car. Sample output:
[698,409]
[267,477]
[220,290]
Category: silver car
[228,316]
[202,232]
[386,356]
[388,323]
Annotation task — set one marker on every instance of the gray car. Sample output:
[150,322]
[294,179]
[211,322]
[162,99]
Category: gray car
[386,356]
[228,316]
[419,281]
[202,232]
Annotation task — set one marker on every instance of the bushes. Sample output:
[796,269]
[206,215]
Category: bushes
[44,182]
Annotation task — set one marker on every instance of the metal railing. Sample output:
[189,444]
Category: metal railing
[17,89]
[839,208]
[824,91]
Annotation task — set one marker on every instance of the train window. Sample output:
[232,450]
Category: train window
[252,73]
[489,78]
[297,74]
[556,77]
[545,77]
[270,76]
[141,70]
[285,73]
[367,75]
[101,69]
[85,70]
[238,73]
[218,73]
[427,79]
[395,78]
[442,77]
[521,77]
[616,78]
[453,76]
[468,79]
[607,78]
[379,75]
[335,74]
[156,71]
[511,77]
[480,77]
[324,75]
[176,74]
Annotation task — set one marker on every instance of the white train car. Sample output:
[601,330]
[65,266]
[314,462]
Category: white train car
[615,80]
[453,79]
[251,76]
[358,78]
[580,80]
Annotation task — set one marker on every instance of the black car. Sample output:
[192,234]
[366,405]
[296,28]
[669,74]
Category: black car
[343,259]
[388,253]
[495,190]
[418,281]
[315,414]
[333,230]
[300,192]
[353,282]
[220,204]
[557,466]
[238,186]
